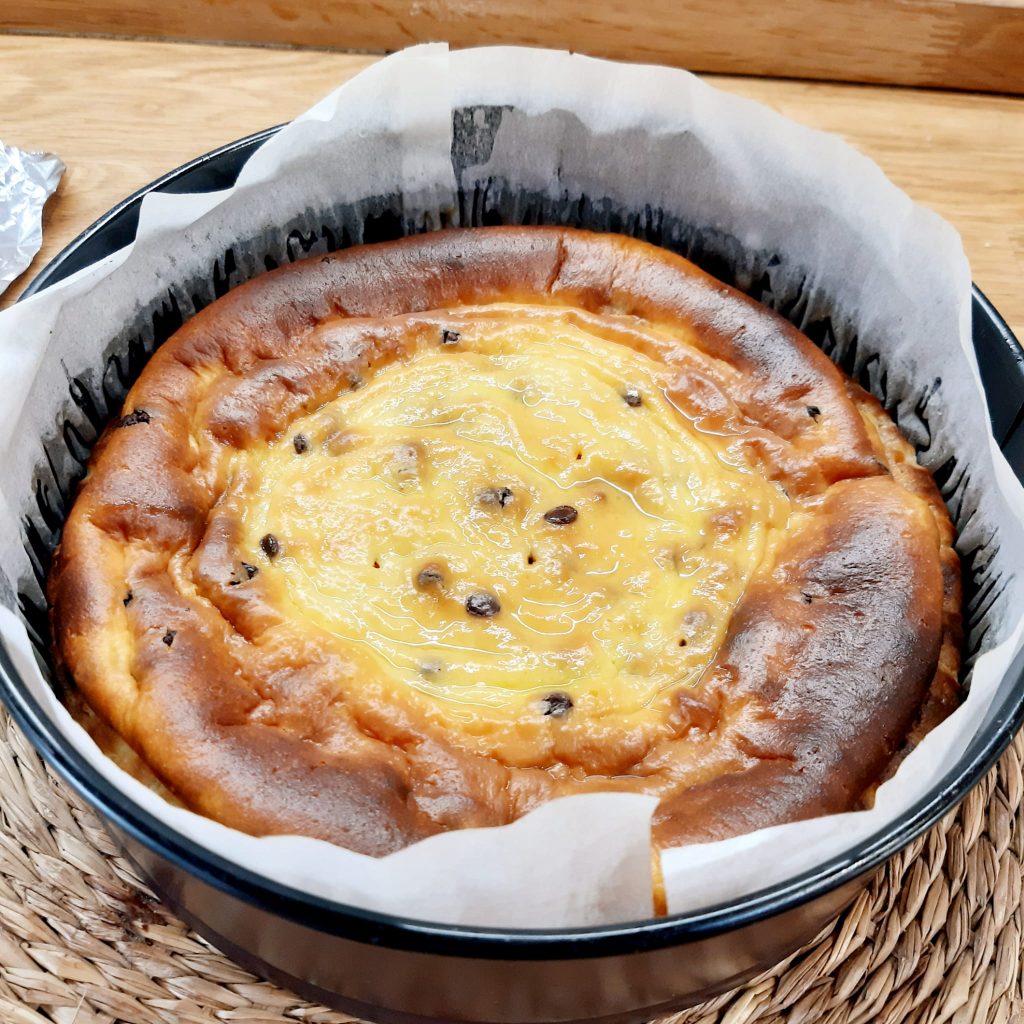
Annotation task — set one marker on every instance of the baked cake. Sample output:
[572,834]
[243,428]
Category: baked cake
[418,535]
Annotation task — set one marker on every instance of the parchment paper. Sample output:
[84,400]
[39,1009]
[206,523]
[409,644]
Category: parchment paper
[427,139]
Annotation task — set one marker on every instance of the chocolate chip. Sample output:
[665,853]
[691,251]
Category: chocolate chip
[557,705]
[483,604]
[138,416]
[301,443]
[682,642]
[249,570]
[500,496]
[431,575]
[813,411]
[632,397]
[129,597]
[271,546]
[561,515]
[169,636]
[449,337]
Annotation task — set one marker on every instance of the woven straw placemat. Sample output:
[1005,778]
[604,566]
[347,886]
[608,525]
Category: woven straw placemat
[936,937]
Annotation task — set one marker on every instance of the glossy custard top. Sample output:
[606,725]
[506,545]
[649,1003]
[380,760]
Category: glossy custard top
[516,521]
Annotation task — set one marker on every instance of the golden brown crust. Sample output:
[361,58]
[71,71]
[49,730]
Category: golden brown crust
[842,649]
[841,641]
[896,453]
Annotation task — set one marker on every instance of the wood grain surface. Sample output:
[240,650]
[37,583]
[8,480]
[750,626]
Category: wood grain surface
[122,113]
[968,44]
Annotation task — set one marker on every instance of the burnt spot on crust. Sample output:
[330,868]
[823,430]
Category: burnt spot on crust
[138,416]
[813,411]
[483,604]
[168,637]
[301,444]
[561,515]
[450,337]
[495,497]
[556,705]
[128,598]
[270,546]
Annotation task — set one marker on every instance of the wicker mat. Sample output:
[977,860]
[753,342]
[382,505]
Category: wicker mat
[936,937]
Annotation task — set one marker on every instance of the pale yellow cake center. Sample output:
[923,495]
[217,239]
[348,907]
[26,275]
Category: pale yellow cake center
[518,517]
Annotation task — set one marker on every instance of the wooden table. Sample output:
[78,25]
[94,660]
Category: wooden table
[120,113]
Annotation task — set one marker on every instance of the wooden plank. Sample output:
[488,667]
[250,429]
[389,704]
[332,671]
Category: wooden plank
[965,44]
[121,113]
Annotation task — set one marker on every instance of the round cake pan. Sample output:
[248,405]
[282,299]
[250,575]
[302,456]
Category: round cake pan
[387,968]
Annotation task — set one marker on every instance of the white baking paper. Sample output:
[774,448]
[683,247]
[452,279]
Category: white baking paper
[427,139]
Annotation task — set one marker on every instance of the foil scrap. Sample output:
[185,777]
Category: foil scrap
[27,180]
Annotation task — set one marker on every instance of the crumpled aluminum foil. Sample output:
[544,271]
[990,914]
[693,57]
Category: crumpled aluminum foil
[27,180]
